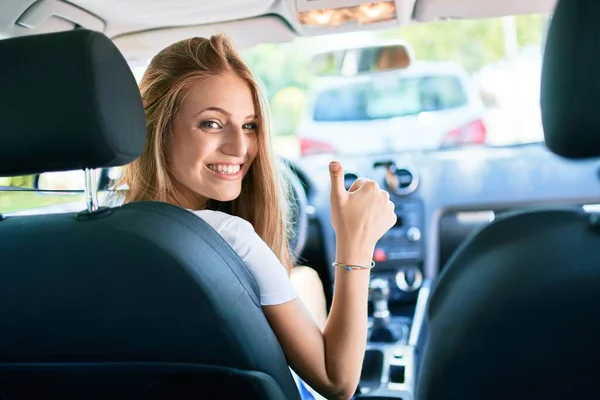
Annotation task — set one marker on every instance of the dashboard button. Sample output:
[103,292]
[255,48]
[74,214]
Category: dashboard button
[409,279]
[413,234]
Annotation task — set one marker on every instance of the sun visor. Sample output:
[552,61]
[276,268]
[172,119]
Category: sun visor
[142,46]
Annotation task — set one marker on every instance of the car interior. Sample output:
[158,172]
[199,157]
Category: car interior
[485,288]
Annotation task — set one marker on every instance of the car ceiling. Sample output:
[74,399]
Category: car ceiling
[142,27]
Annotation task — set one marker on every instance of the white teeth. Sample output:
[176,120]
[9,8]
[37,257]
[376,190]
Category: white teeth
[225,169]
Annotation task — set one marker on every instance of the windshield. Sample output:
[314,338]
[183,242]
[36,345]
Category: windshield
[471,83]
[389,98]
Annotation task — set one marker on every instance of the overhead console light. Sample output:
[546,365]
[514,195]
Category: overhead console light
[333,13]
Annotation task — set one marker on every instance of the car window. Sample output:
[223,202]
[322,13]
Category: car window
[389,98]
[50,192]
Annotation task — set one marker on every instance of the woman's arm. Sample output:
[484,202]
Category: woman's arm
[330,361]
[309,287]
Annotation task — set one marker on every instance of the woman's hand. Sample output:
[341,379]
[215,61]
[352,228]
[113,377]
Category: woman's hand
[330,361]
[360,216]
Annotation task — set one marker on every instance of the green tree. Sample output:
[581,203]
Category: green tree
[471,43]
[287,107]
[280,65]
[18,181]
[283,72]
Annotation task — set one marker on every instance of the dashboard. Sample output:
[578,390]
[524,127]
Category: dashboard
[442,196]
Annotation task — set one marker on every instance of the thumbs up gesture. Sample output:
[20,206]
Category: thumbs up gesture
[362,214]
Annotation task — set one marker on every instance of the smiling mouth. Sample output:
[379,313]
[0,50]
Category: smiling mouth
[225,169]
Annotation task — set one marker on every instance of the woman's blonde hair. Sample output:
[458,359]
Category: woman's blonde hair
[263,200]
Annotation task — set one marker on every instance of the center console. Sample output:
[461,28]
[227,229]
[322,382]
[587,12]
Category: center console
[399,253]
[398,296]
[389,365]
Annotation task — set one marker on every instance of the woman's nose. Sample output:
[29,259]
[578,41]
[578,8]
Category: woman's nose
[236,143]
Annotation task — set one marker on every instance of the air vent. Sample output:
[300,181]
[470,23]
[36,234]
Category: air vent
[349,180]
[406,181]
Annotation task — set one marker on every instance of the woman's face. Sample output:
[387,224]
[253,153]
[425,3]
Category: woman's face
[213,141]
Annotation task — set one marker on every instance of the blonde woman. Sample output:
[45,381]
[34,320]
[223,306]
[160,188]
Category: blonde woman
[208,150]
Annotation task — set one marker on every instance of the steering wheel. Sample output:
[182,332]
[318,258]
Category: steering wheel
[299,204]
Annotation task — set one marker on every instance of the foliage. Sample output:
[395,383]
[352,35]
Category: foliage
[18,181]
[471,43]
[17,201]
[279,66]
[287,107]
[11,201]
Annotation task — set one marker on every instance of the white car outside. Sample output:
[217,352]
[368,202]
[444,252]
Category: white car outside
[426,106]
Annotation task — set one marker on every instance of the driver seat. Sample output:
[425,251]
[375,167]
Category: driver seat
[140,301]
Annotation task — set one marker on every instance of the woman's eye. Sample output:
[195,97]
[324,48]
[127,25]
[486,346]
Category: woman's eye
[210,124]
[253,126]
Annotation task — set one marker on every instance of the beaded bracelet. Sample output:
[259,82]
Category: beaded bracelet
[353,267]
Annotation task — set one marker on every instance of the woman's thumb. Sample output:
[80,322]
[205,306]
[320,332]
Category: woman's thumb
[336,172]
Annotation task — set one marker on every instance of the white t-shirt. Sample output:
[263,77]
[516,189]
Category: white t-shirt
[270,275]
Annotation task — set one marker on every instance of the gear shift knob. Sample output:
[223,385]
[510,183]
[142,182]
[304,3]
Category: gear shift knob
[379,290]
[381,331]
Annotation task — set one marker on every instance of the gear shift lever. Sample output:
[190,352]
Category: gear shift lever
[379,290]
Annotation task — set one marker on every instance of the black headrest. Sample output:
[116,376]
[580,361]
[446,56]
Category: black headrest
[515,312]
[67,101]
[570,97]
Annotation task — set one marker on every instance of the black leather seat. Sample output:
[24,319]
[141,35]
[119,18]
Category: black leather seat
[140,301]
[516,312]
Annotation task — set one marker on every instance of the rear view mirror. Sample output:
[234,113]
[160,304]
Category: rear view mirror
[355,61]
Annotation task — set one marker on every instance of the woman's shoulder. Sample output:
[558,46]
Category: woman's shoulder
[222,221]
[236,231]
